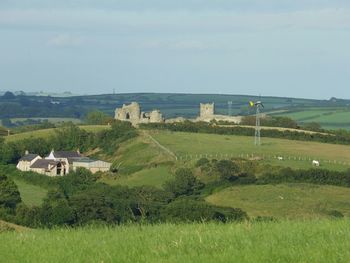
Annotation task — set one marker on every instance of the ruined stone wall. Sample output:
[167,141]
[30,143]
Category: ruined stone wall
[207,110]
[133,114]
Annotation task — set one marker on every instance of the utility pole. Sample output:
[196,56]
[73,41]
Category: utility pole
[229,103]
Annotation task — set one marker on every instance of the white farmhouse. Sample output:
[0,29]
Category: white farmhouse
[60,163]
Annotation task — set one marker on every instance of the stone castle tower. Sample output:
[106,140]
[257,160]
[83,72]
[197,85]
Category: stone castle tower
[207,110]
[133,114]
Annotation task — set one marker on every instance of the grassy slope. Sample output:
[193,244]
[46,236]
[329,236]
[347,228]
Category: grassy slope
[47,132]
[286,200]
[53,120]
[31,195]
[141,162]
[5,227]
[217,145]
[330,118]
[151,177]
[314,241]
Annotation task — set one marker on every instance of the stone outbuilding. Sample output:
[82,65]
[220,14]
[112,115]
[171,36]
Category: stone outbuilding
[26,161]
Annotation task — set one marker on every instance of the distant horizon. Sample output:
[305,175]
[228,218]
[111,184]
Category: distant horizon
[179,93]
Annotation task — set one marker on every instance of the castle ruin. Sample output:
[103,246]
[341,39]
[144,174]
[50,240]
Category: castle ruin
[207,114]
[132,113]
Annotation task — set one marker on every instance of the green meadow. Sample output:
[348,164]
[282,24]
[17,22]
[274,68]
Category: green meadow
[149,177]
[315,241]
[31,195]
[296,154]
[286,201]
[45,133]
[328,118]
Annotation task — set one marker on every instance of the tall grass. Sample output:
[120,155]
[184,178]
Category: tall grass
[310,241]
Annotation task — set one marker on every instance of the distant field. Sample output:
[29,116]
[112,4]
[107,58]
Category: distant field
[47,132]
[297,154]
[53,120]
[151,177]
[318,241]
[292,201]
[31,195]
[332,118]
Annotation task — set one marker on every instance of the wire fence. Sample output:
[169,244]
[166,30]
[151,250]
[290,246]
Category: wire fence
[254,156]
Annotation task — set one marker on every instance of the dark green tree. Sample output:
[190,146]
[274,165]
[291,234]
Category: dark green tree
[9,194]
[227,169]
[184,183]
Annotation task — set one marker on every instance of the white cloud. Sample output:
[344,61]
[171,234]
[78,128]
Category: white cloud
[65,40]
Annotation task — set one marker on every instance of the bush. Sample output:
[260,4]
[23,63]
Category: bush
[227,169]
[185,183]
[190,210]
[9,194]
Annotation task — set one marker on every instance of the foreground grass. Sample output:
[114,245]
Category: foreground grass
[285,200]
[313,241]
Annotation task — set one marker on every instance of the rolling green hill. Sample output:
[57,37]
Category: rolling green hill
[286,200]
[31,195]
[296,154]
[328,118]
[47,132]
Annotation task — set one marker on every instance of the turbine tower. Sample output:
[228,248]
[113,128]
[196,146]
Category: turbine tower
[258,106]
[229,104]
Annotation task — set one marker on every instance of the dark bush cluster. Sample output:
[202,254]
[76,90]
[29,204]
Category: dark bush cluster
[314,176]
[79,199]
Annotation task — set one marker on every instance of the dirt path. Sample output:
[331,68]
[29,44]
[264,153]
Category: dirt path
[161,146]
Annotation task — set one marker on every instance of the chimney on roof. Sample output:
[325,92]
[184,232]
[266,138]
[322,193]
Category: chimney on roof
[78,151]
[26,152]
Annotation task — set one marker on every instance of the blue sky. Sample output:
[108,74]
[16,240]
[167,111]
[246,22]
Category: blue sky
[288,48]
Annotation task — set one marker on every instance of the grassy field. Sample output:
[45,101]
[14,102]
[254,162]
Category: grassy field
[151,177]
[329,118]
[47,132]
[311,241]
[52,120]
[31,195]
[286,200]
[297,154]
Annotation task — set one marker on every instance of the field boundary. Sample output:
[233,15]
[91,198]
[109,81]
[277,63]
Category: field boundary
[259,157]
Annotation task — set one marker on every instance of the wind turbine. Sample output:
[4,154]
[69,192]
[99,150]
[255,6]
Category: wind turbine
[258,106]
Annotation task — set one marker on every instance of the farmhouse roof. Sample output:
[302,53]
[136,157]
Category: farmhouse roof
[66,154]
[43,164]
[29,157]
[83,160]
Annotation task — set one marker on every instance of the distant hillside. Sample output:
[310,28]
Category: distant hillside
[171,105]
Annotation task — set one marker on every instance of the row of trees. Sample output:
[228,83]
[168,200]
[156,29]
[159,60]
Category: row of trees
[68,137]
[231,170]
[78,199]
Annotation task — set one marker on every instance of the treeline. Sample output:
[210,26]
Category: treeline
[339,137]
[68,137]
[314,176]
[79,199]
[271,121]
[240,172]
